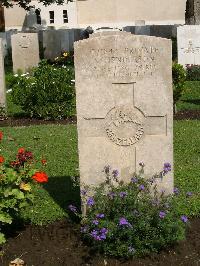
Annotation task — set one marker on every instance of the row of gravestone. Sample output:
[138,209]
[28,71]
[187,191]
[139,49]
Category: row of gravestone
[124,103]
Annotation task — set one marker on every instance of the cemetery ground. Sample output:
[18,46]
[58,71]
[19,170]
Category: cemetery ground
[53,238]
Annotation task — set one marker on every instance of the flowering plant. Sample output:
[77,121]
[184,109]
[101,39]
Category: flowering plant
[46,92]
[193,72]
[65,59]
[130,219]
[17,179]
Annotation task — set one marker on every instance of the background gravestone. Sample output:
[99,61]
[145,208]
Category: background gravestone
[2,77]
[124,106]
[188,38]
[57,41]
[25,51]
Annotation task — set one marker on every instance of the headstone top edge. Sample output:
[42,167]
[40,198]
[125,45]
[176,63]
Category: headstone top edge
[128,36]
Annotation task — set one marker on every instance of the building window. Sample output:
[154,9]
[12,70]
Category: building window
[51,17]
[65,16]
[38,16]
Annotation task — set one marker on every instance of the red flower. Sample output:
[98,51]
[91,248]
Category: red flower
[44,162]
[1,135]
[21,150]
[40,177]
[1,159]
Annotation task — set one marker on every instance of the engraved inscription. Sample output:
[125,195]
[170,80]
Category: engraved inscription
[125,125]
[116,63]
[191,48]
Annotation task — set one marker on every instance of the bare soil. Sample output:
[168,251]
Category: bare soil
[60,244]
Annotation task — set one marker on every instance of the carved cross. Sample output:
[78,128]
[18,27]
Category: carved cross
[125,124]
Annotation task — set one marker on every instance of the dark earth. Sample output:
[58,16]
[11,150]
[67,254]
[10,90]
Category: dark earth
[13,121]
[59,244]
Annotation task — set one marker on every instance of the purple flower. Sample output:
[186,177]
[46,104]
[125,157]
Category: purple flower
[100,215]
[184,218]
[141,187]
[83,192]
[115,173]
[124,222]
[72,208]
[141,164]
[134,180]
[123,194]
[107,169]
[189,194]
[90,201]
[96,222]
[99,234]
[176,191]
[166,168]
[111,195]
[162,214]
[104,230]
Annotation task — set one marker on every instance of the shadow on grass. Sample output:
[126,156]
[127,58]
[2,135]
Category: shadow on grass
[63,191]
[194,101]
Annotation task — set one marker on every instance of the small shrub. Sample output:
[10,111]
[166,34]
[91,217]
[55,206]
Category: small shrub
[179,79]
[131,219]
[17,179]
[193,72]
[47,92]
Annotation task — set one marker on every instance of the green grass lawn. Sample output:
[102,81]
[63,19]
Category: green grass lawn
[190,99]
[58,145]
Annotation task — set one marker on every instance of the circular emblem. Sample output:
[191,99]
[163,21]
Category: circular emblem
[125,125]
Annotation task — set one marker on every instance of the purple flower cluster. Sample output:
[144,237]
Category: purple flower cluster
[96,222]
[167,168]
[184,218]
[115,173]
[141,187]
[189,194]
[123,194]
[124,222]
[72,208]
[100,216]
[134,180]
[90,201]
[162,214]
[99,234]
[176,191]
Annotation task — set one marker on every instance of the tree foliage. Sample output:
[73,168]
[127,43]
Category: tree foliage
[26,4]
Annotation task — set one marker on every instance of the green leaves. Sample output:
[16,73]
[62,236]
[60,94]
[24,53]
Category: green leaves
[5,218]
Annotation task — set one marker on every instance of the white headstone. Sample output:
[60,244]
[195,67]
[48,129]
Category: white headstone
[2,77]
[188,38]
[124,106]
[25,51]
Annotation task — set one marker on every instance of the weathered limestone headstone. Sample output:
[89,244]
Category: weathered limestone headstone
[2,77]
[124,106]
[188,45]
[25,51]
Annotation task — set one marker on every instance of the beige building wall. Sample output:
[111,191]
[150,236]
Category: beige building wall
[119,13]
[14,18]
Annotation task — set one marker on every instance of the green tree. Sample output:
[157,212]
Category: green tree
[26,4]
